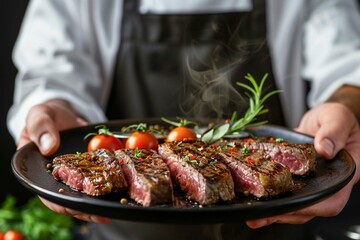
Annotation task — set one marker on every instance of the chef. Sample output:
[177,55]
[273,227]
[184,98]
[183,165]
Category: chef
[85,62]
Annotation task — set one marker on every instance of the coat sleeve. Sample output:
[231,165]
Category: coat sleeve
[57,55]
[331,48]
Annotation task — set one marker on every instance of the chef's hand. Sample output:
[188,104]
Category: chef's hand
[43,123]
[334,127]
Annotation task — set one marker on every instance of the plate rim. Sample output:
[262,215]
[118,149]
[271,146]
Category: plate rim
[82,205]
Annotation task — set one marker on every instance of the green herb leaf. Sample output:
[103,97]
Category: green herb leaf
[256,108]
[181,122]
[101,129]
[186,159]
[138,153]
[212,163]
[140,127]
[245,150]
[217,132]
[207,136]
[34,220]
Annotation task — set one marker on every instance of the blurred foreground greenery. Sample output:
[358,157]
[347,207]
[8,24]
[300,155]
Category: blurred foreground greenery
[34,220]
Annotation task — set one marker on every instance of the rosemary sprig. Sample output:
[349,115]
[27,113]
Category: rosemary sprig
[255,109]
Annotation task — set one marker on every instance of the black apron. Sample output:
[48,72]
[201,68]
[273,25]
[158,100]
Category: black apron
[188,65]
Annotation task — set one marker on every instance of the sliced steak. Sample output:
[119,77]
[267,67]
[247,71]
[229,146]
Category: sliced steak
[148,176]
[256,174]
[197,170]
[299,158]
[94,173]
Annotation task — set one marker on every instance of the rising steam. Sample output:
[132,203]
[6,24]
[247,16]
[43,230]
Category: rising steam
[213,69]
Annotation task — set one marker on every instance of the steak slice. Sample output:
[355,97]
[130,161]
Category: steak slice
[94,173]
[197,170]
[299,158]
[148,176]
[256,174]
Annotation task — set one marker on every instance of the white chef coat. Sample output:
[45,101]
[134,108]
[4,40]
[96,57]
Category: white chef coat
[67,49]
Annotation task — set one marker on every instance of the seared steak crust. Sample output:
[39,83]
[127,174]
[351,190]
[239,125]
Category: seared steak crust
[260,166]
[300,159]
[94,173]
[197,170]
[148,176]
[256,174]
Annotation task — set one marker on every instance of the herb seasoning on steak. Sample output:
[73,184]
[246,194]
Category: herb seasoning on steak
[197,170]
[300,159]
[94,173]
[148,176]
[256,174]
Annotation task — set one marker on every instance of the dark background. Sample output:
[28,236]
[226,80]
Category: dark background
[11,14]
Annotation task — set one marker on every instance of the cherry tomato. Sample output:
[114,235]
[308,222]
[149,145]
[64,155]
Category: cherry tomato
[108,142]
[142,140]
[2,234]
[13,235]
[103,139]
[180,134]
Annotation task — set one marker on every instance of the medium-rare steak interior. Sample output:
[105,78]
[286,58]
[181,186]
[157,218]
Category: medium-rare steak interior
[255,173]
[148,176]
[198,171]
[300,159]
[94,173]
[205,174]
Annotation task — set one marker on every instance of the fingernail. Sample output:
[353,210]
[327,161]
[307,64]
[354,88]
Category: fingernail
[46,142]
[328,146]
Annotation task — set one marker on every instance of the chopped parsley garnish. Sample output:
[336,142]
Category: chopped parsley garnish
[245,150]
[138,153]
[193,161]
[212,163]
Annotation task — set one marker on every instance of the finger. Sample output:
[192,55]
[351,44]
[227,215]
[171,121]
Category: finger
[42,129]
[24,139]
[87,217]
[79,215]
[289,219]
[329,207]
[81,121]
[333,133]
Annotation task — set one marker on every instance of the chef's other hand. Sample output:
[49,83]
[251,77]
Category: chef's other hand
[335,127]
[76,214]
[43,124]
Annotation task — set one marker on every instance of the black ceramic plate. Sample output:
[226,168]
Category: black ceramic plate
[29,166]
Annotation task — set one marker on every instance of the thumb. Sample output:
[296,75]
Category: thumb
[47,138]
[42,130]
[48,143]
[331,138]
